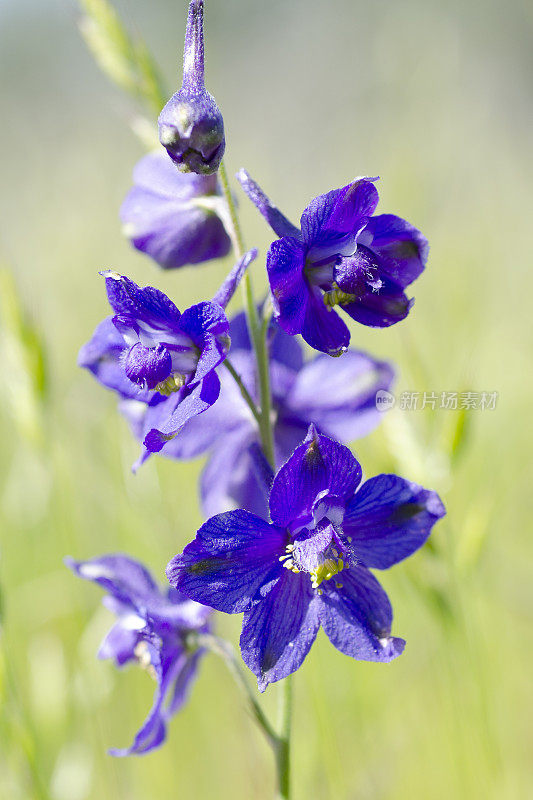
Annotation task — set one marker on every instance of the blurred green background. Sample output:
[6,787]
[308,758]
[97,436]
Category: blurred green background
[436,99]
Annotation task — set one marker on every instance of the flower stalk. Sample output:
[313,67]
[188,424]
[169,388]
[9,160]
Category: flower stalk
[256,329]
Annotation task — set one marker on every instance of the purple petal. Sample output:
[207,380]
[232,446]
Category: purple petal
[156,173]
[322,328]
[147,366]
[228,481]
[339,396]
[227,290]
[153,731]
[102,356]
[187,405]
[207,326]
[184,682]
[290,290]
[339,215]
[357,618]
[173,232]
[147,303]
[119,644]
[389,518]
[316,465]
[277,221]
[121,576]
[381,309]
[232,563]
[193,50]
[278,632]
[401,248]
[379,302]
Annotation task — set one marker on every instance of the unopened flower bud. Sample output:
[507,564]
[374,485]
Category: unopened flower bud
[191,127]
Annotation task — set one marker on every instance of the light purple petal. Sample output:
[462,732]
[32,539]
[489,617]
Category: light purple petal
[157,173]
[173,232]
[153,731]
[228,480]
[122,576]
[339,395]
[119,644]
[184,682]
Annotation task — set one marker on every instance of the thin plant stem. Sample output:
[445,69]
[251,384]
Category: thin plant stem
[234,231]
[256,330]
[244,391]
[223,649]
[283,750]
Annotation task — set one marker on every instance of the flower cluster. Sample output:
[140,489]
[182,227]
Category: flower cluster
[292,532]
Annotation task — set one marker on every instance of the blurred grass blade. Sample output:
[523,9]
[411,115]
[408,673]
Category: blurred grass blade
[474,533]
[126,62]
[24,360]
[152,86]
[456,434]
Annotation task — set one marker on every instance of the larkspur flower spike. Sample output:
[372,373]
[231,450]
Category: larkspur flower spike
[191,127]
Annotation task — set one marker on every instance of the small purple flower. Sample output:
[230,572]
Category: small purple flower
[339,397]
[150,352]
[174,217]
[191,127]
[343,256]
[310,565]
[154,630]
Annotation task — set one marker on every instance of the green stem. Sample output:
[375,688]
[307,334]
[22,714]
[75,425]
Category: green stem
[244,391]
[234,231]
[223,649]
[256,329]
[283,749]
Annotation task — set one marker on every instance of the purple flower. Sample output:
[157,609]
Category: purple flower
[343,256]
[339,397]
[173,217]
[148,351]
[153,630]
[310,565]
[191,127]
